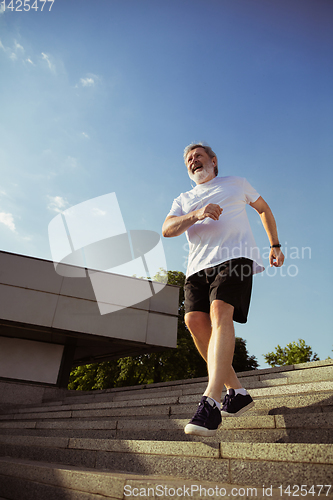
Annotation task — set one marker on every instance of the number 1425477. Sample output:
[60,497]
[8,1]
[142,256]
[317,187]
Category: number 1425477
[25,5]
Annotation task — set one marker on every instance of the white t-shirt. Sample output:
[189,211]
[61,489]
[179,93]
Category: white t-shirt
[213,242]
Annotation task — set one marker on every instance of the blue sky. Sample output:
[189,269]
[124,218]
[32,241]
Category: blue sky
[101,97]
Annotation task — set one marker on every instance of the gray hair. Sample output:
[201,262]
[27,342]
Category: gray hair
[204,146]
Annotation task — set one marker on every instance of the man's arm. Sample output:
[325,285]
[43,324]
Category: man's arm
[175,226]
[268,221]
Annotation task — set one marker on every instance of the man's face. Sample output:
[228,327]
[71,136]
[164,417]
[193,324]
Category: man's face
[200,167]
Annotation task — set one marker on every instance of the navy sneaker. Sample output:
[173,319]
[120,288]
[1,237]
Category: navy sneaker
[206,420]
[235,405]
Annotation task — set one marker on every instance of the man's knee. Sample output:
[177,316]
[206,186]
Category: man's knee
[191,320]
[197,321]
[220,310]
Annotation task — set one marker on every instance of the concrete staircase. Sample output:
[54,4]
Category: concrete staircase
[129,442]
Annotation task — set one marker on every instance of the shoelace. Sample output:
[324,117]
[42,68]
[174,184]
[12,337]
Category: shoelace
[202,408]
[227,400]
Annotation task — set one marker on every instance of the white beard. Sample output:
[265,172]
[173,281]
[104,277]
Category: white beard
[199,177]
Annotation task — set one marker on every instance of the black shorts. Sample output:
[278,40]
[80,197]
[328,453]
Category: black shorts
[230,281]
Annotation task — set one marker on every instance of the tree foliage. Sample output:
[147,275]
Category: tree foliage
[293,354]
[170,364]
[242,362]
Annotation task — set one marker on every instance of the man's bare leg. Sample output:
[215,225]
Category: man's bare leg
[221,348]
[214,336]
[200,328]
[209,346]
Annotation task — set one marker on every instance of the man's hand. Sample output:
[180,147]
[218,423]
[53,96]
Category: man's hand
[211,210]
[174,226]
[276,257]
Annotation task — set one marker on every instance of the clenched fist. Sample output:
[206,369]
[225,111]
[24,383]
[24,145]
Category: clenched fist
[211,210]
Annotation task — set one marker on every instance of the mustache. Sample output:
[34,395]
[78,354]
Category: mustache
[195,167]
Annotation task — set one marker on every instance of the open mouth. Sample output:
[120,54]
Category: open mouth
[197,167]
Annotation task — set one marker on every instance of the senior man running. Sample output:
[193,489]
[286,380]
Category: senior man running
[223,256]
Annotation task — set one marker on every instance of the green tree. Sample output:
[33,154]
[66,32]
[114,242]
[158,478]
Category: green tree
[167,365]
[94,376]
[242,361]
[293,354]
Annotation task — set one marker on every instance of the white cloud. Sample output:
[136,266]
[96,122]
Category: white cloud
[6,50]
[8,220]
[87,82]
[17,46]
[14,52]
[46,58]
[57,203]
[85,135]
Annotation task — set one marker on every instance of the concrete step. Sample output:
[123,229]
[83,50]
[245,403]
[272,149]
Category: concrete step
[279,390]
[319,371]
[27,480]
[302,428]
[235,463]
[317,395]
[252,382]
[272,404]
[286,439]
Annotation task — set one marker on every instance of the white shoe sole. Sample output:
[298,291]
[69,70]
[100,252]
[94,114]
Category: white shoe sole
[239,413]
[196,430]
